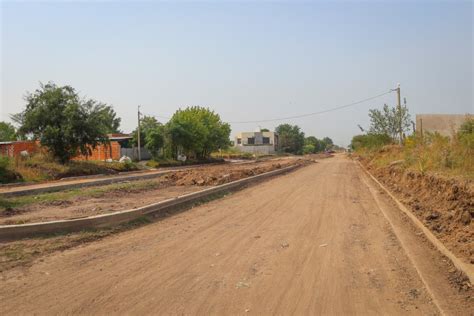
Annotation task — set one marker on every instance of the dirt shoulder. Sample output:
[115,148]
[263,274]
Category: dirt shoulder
[444,204]
[127,195]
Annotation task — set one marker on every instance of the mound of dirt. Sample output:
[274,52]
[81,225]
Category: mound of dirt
[445,205]
[225,174]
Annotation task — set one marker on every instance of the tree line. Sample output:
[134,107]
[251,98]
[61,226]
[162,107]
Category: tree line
[292,140]
[195,132]
[68,124]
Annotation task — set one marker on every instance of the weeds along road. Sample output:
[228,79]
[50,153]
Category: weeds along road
[309,242]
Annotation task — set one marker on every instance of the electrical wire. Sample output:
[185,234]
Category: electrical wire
[301,115]
[315,113]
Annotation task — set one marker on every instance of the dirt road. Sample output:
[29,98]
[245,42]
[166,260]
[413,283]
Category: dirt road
[310,242]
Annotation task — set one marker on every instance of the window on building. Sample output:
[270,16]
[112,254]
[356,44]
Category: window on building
[266,140]
[239,140]
[251,140]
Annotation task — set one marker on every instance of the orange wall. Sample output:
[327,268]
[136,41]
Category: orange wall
[14,149]
[101,152]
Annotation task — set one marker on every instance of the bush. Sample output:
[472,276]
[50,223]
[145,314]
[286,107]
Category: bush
[430,152]
[42,167]
[370,141]
[6,174]
[309,149]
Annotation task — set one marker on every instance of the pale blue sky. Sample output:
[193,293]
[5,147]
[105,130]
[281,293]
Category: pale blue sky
[246,60]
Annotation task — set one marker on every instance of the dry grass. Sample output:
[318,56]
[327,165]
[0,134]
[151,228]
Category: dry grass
[41,167]
[430,153]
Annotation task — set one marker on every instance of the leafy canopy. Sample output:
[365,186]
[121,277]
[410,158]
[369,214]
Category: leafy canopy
[291,138]
[7,132]
[197,131]
[147,123]
[389,121]
[314,145]
[63,122]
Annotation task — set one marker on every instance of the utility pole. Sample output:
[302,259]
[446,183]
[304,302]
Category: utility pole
[139,145]
[399,113]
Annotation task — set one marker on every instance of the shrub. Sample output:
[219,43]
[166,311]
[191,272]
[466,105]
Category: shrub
[370,141]
[6,173]
[309,149]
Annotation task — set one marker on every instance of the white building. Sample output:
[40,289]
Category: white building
[257,142]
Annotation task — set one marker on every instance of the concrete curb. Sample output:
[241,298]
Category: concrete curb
[64,186]
[13,232]
[458,263]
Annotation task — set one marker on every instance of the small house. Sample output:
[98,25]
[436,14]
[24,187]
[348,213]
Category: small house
[261,143]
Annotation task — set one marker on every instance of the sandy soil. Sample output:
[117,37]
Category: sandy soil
[168,186]
[311,242]
[444,204]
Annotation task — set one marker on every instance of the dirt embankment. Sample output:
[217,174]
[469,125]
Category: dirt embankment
[116,197]
[444,204]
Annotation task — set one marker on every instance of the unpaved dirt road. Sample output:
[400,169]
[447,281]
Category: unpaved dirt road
[309,242]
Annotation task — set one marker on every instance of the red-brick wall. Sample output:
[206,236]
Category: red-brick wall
[101,152]
[15,148]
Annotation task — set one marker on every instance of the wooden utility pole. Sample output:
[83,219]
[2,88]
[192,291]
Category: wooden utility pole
[399,104]
[139,145]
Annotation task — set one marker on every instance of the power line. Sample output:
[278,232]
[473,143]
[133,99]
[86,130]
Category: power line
[315,113]
[301,115]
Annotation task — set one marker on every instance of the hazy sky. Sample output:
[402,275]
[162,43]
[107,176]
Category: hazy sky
[245,60]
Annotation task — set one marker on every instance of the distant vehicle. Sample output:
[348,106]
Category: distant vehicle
[330,151]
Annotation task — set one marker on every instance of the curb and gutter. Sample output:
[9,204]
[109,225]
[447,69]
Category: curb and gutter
[14,232]
[467,269]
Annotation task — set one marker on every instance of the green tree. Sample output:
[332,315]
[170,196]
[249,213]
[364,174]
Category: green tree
[62,121]
[309,149]
[155,140]
[109,118]
[7,132]
[327,143]
[147,123]
[197,131]
[311,143]
[390,121]
[291,138]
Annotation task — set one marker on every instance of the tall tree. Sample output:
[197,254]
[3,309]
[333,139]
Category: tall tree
[390,121]
[62,121]
[197,131]
[291,138]
[7,132]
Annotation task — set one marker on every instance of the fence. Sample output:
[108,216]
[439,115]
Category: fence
[133,153]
